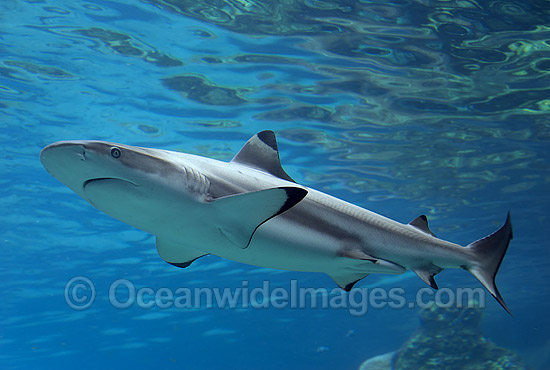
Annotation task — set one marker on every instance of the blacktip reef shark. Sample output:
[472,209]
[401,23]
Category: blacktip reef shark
[250,210]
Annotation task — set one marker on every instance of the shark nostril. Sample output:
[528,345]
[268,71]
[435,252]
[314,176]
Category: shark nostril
[82,155]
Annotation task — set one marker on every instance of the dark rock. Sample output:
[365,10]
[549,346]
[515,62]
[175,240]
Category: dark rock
[450,339]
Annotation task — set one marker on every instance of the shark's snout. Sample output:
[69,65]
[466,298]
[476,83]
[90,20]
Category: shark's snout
[63,151]
[79,163]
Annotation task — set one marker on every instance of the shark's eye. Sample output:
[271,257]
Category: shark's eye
[115,152]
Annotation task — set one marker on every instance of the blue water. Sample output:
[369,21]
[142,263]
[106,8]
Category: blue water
[401,107]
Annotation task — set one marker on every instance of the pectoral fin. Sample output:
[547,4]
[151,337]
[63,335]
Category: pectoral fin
[239,216]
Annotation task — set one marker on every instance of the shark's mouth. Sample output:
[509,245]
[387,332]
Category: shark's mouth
[105,181]
[112,195]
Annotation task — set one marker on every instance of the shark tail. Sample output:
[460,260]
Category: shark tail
[489,253]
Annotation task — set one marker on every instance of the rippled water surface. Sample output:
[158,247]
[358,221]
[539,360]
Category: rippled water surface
[402,107]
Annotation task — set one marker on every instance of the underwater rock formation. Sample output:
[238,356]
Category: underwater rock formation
[451,339]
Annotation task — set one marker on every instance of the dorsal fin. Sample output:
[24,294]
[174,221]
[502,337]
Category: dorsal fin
[261,152]
[421,223]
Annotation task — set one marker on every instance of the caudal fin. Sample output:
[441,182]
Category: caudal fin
[489,253]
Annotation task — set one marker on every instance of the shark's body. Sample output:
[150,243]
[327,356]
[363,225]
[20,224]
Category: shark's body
[249,210]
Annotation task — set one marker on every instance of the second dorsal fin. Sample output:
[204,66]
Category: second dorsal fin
[421,223]
[261,152]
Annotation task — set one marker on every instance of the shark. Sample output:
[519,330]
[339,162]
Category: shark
[250,210]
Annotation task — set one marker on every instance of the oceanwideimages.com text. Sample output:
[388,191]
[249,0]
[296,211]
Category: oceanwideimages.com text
[80,294]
